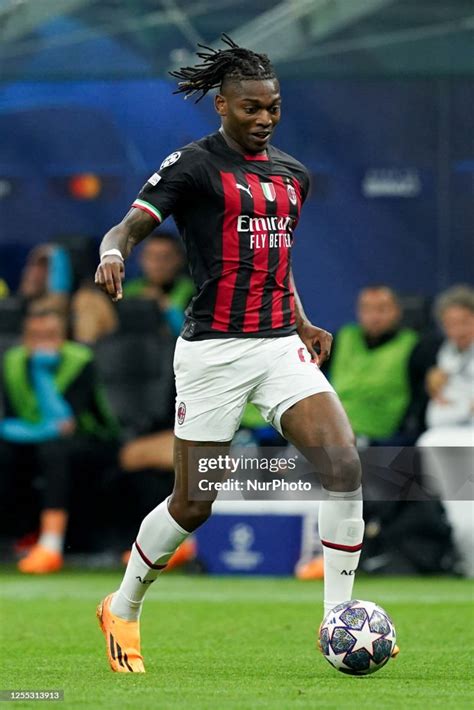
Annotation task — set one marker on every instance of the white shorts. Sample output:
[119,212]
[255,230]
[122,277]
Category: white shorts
[216,378]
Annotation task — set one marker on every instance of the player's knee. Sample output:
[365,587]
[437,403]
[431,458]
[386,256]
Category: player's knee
[345,471]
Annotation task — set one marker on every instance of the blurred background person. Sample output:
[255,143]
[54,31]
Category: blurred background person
[449,439]
[450,382]
[93,316]
[47,275]
[164,278]
[56,424]
[369,366]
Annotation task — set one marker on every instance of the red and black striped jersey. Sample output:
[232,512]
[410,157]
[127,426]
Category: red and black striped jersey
[236,215]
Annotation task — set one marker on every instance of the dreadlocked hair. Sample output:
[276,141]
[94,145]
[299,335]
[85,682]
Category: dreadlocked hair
[218,64]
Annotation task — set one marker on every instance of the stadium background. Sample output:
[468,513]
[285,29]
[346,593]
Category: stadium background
[376,103]
[378,98]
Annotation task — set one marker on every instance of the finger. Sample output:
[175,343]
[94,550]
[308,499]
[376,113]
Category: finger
[314,353]
[110,279]
[326,344]
[99,276]
[118,275]
[323,357]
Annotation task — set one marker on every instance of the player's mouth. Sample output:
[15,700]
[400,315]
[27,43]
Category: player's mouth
[261,137]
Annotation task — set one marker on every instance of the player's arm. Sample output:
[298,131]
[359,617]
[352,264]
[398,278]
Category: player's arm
[317,340]
[135,226]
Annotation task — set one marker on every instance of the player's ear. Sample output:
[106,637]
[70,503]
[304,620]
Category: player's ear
[220,104]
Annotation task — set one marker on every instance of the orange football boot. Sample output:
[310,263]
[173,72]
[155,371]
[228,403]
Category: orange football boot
[41,560]
[314,569]
[122,640]
[186,552]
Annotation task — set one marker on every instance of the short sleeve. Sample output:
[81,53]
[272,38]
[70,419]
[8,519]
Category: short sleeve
[176,176]
[305,183]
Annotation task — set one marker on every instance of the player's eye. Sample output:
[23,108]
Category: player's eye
[250,109]
[275,109]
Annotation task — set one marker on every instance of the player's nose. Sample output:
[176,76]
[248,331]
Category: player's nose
[264,119]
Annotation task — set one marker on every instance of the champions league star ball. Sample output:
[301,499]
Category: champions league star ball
[357,637]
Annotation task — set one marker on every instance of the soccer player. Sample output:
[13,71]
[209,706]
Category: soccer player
[236,200]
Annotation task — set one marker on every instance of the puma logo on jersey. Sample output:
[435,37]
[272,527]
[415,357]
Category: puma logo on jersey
[244,188]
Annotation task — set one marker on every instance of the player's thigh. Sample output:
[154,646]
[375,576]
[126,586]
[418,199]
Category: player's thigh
[290,377]
[318,426]
[317,420]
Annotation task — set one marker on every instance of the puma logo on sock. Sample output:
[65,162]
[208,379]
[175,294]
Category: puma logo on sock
[144,581]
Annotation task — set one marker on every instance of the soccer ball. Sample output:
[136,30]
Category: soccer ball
[357,637]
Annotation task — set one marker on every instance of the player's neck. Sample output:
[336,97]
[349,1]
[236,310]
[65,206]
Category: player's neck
[236,146]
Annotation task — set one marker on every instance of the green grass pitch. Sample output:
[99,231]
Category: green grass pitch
[233,644]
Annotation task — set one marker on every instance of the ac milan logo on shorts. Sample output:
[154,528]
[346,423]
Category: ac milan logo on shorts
[181,412]
[292,194]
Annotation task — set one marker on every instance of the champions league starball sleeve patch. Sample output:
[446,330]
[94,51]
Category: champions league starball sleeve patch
[171,159]
[161,192]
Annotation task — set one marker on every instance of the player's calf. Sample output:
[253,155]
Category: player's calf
[190,514]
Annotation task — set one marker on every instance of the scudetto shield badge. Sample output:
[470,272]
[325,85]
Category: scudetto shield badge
[268,189]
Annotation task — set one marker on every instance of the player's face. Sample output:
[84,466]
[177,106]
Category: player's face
[377,311]
[458,324]
[250,111]
[43,333]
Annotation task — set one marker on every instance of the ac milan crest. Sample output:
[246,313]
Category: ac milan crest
[181,413]
[292,194]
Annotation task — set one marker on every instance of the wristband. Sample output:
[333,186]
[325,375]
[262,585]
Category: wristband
[112,252]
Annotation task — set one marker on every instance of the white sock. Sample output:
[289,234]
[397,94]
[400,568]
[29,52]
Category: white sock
[53,541]
[157,539]
[341,529]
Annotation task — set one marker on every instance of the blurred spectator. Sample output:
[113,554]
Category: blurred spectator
[48,280]
[4,290]
[55,423]
[450,383]
[48,276]
[93,315]
[449,440]
[162,263]
[148,451]
[369,365]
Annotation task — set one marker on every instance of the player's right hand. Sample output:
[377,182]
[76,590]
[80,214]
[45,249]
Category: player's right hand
[109,276]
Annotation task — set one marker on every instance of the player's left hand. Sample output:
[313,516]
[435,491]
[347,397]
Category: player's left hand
[316,339]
